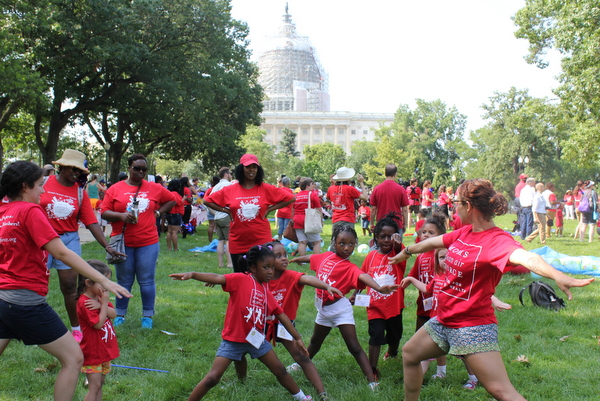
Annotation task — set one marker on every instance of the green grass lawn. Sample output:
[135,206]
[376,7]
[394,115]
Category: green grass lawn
[562,347]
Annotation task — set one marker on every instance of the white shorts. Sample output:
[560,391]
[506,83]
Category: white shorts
[336,314]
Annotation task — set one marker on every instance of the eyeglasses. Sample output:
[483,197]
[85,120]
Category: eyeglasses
[140,169]
[77,170]
[454,202]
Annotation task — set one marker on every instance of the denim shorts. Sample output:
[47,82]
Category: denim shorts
[32,324]
[72,242]
[236,351]
[174,219]
[463,340]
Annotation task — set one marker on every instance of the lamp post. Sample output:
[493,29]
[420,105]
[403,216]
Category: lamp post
[106,148]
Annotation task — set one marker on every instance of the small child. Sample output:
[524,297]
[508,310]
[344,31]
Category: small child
[99,344]
[423,271]
[384,312]
[174,216]
[365,216]
[286,286]
[421,217]
[559,219]
[250,303]
[334,310]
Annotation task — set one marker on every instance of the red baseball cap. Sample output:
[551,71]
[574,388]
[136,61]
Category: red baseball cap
[249,159]
[523,176]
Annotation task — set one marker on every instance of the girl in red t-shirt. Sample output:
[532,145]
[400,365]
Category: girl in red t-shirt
[286,286]
[335,310]
[384,312]
[250,303]
[99,344]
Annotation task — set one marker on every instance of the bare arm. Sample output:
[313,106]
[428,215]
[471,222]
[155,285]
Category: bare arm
[99,235]
[278,206]
[285,321]
[301,259]
[423,246]
[406,281]
[536,264]
[215,207]
[165,207]
[315,282]
[386,289]
[211,278]
[406,215]
[74,261]
[361,181]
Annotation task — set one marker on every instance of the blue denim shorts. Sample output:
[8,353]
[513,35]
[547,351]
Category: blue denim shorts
[32,324]
[235,351]
[72,242]
[463,340]
[174,219]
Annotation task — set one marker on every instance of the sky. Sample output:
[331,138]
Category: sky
[380,54]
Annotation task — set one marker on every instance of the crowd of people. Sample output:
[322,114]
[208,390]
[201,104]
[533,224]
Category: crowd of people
[461,257]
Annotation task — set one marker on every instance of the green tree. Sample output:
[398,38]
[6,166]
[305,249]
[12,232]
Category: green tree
[362,157]
[288,143]
[322,160]
[572,28]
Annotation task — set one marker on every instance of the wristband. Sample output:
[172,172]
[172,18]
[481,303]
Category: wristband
[408,252]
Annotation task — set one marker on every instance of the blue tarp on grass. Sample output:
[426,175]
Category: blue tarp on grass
[588,265]
[212,247]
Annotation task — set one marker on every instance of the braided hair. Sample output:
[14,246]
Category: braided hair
[256,254]
[344,228]
[388,220]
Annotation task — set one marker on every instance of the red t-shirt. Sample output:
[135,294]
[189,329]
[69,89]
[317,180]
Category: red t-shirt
[475,263]
[285,212]
[150,197]
[287,291]
[376,265]
[178,208]
[443,199]
[420,223]
[24,230]
[342,202]
[456,222]
[518,188]
[98,346]
[569,200]
[389,196]
[427,197]
[423,270]
[250,302]
[62,206]
[301,204]
[248,206]
[414,195]
[337,272]
[433,289]
[364,212]
[187,193]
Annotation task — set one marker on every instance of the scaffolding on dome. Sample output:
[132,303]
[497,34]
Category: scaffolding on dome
[291,74]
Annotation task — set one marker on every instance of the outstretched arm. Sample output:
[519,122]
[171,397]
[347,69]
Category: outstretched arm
[287,323]
[386,289]
[406,281]
[315,282]
[538,265]
[211,278]
[423,246]
[301,259]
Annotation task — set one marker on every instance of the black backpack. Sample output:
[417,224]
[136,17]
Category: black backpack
[543,295]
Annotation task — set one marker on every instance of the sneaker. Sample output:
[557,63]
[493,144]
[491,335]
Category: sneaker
[323,396]
[119,320]
[307,398]
[293,367]
[147,323]
[376,374]
[77,335]
[438,376]
[374,386]
[387,356]
[470,384]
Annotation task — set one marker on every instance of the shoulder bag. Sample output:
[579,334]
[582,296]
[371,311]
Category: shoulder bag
[117,242]
[313,221]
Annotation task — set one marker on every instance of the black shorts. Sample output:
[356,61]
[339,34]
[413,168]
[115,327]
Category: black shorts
[37,324]
[414,208]
[385,331]
[174,219]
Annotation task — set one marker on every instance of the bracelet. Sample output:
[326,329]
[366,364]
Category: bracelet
[408,252]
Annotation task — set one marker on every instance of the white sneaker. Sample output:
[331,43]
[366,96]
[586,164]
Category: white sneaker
[374,386]
[293,367]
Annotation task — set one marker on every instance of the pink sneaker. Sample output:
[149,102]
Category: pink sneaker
[77,335]
[470,384]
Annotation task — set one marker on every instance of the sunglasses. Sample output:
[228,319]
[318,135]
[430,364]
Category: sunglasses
[77,170]
[140,169]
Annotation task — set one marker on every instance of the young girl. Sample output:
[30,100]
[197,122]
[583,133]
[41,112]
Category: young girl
[99,344]
[433,288]
[286,286]
[334,310]
[364,212]
[559,219]
[174,216]
[423,271]
[421,218]
[385,310]
[250,303]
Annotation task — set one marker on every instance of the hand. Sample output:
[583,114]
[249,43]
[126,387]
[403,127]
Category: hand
[116,289]
[182,276]
[127,217]
[295,260]
[352,298]
[397,238]
[406,281]
[401,257]
[92,304]
[209,285]
[360,179]
[332,291]
[113,252]
[301,347]
[565,282]
[388,289]
[104,297]
[500,306]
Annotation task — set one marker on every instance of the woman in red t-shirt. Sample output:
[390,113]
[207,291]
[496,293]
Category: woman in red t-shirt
[307,189]
[249,203]
[465,324]
[137,203]
[427,197]
[342,196]
[27,238]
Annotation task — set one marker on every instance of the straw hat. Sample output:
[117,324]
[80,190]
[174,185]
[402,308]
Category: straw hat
[72,158]
[344,174]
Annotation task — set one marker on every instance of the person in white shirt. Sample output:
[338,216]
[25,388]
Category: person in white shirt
[222,220]
[539,214]
[526,199]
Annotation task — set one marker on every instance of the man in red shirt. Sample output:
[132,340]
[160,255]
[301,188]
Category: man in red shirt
[389,196]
